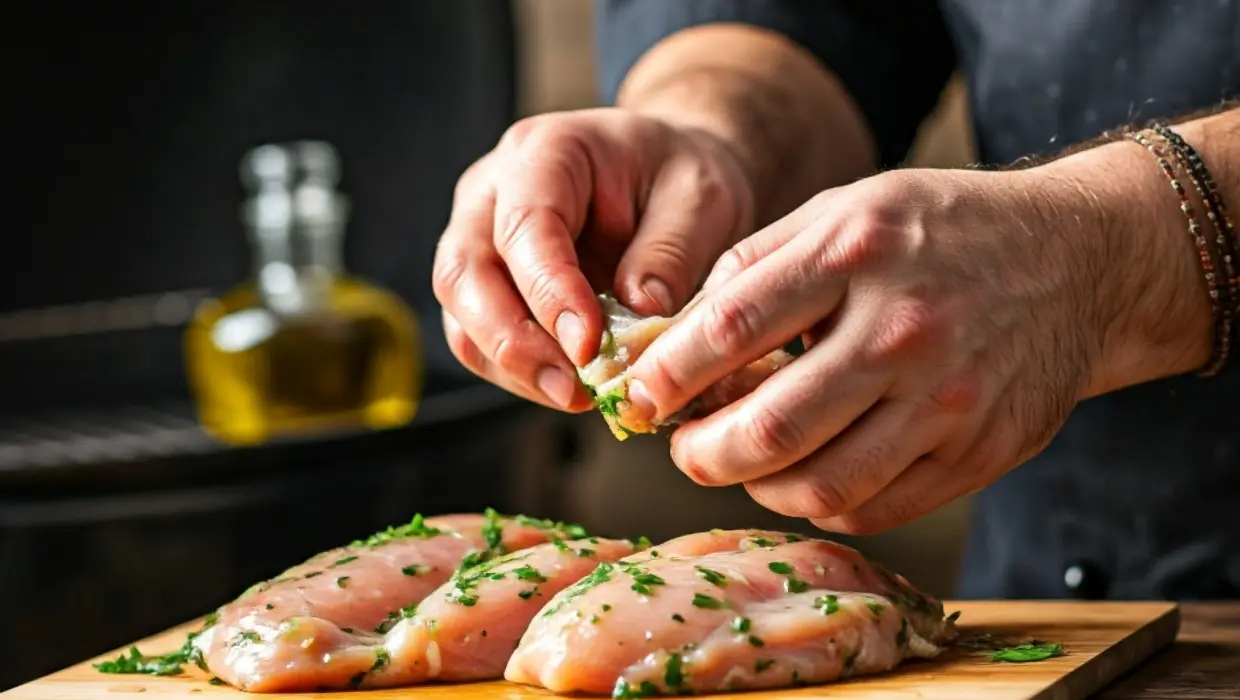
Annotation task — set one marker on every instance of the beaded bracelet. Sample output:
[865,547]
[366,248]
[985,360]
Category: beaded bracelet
[1222,331]
[1216,212]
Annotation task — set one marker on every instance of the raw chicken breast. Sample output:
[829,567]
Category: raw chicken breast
[467,628]
[321,623]
[771,613]
[626,337]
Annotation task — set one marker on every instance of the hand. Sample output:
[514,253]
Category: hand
[568,204]
[950,325]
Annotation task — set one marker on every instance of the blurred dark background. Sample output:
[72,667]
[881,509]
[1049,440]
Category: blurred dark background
[121,136]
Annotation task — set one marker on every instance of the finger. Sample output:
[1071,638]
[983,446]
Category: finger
[922,488]
[473,288]
[544,190]
[753,248]
[759,310]
[468,354]
[858,464]
[688,220]
[789,415]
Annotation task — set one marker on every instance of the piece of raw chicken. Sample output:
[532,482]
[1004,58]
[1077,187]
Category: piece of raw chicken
[761,611]
[321,624]
[625,338]
[467,628]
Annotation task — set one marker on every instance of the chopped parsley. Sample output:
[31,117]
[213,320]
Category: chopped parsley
[762,664]
[382,659]
[645,689]
[342,581]
[673,672]
[244,638]
[416,527]
[678,617]
[755,641]
[1029,651]
[712,577]
[583,552]
[827,604]
[414,569]
[704,601]
[529,573]
[606,607]
[875,607]
[741,625]
[781,567]
[345,560]
[795,585]
[527,594]
[312,574]
[601,574]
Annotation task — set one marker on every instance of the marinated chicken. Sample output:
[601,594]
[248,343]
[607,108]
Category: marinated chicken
[738,610]
[322,623]
[626,337]
[468,627]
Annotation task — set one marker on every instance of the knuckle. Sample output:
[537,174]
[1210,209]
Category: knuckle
[518,222]
[961,393]
[450,268]
[733,261]
[522,131]
[773,436]
[907,327]
[731,327]
[868,460]
[509,351]
[826,496]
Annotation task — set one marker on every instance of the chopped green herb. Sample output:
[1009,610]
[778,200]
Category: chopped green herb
[951,619]
[570,531]
[413,569]
[415,528]
[529,573]
[741,625]
[642,542]
[269,606]
[795,585]
[1030,651]
[244,638]
[585,552]
[902,635]
[654,554]
[780,567]
[137,662]
[791,537]
[559,544]
[409,611]
[678,617]
[762,664]
[601,573]
[850,661]
[492,529]
[312,574]
[827,604]
[345,560]
[762,542]
[594,619]
[606,607]
[875,607]
[796,679]
[342,582]
[355,681]
[527,594]
[754,641]
[347,630]
[673,672]
[705,601]
[382,659]
[713,577]
[646,689]
[215,681]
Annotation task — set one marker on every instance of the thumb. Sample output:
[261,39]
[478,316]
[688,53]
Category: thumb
[689,218]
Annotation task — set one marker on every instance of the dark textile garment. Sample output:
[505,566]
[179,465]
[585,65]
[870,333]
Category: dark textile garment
[1139,495]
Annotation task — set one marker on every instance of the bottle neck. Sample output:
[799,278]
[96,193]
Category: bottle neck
[297,239]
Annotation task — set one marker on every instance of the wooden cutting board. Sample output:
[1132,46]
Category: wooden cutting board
[1101,642]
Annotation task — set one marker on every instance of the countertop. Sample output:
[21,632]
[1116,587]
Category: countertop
[1204,662]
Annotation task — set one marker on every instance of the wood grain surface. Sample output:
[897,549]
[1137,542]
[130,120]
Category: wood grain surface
[1102,641]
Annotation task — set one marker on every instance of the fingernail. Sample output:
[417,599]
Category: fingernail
[658,292]
[640,401]
[569,331]
[557,385]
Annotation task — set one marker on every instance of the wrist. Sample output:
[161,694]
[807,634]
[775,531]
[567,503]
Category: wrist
[789,123]
[1148,310]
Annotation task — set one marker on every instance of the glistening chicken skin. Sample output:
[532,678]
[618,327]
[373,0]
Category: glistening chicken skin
[767,612]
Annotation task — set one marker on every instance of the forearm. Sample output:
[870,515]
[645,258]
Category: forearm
[790,122]
[1152,305]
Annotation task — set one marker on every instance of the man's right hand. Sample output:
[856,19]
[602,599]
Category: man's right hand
[567,205]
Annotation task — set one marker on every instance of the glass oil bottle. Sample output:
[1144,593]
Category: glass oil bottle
[302,347]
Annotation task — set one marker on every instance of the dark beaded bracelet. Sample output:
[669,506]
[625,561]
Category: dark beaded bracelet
[1222,330]
[1216,212]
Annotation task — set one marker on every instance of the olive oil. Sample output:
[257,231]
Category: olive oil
[302,347]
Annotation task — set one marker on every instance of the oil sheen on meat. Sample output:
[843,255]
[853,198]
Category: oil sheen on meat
[728,611]
[467,628]
[626,337]
[322,624]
